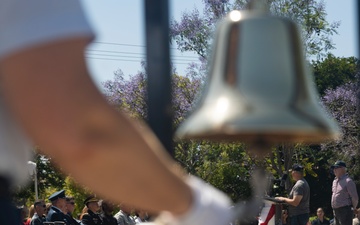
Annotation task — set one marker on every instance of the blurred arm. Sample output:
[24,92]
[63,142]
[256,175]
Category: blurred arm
[49,91]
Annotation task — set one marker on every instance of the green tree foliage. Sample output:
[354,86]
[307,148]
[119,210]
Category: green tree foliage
[226,166]
[332,72]
[310,15]
[337,82]
[50,179]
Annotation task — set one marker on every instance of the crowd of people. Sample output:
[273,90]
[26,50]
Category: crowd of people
[344,199]
[95,212]
[344,202]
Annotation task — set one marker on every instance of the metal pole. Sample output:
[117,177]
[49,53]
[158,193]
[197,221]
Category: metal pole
[32,171]
[36,185]
[158,71]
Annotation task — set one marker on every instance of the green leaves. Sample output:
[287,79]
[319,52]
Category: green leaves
[332,72]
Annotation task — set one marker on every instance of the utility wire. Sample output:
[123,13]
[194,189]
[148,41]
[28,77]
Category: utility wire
[93,54]
[126,60]
[121,44]
[134,57]
[109,43]
[137,53]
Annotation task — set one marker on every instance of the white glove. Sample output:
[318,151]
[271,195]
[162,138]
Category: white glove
[210,207]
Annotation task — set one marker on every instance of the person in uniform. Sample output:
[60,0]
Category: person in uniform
[106,214]
[91,217]
[58,208]
[70,206]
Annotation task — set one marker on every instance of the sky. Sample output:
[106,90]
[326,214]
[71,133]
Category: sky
[120,36]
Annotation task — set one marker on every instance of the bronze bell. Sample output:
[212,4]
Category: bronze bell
[259,88]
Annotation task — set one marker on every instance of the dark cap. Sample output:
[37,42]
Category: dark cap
[338,164]
[297,167]
[91,198]
[57,195]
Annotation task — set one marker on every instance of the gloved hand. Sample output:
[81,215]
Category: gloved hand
[210,207]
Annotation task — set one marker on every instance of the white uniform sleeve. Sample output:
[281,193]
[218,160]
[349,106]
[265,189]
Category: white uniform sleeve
[27,23]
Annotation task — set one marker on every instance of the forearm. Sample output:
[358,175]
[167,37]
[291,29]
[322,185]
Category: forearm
[354,203]
[353,194]
[55,100]
[290,201]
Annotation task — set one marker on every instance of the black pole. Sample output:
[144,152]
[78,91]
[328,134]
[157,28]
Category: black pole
[358,69]
[158,71]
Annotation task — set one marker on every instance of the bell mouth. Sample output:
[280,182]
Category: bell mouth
[270,137]
[258,124]
[261,126]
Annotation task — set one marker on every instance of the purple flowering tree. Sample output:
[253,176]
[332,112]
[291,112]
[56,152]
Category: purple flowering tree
[194,31]
[129,93]
[341,103]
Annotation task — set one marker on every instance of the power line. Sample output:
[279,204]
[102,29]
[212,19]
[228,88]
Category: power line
[121,44]
[95,54]
[136,53]
[134,57]
[109,43]
[107,59]
[127,56]
[126,60]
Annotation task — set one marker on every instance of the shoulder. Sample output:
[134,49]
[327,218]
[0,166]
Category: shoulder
[54,210]
[55,216]
[348,179]
[301,183]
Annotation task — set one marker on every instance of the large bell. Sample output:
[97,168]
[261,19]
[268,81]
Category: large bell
[259,88]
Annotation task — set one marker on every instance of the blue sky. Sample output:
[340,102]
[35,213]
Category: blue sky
[120,34]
